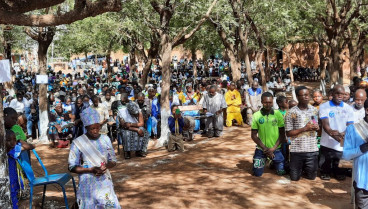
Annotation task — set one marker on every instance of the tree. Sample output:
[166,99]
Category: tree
[205,40]
[17,12]
[245,26]
[5,200]
[44,37]
[343,26]
[165,24]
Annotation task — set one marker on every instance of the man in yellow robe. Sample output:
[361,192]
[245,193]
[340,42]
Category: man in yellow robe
[233,101]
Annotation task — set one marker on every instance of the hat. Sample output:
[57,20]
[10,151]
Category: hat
[90,116]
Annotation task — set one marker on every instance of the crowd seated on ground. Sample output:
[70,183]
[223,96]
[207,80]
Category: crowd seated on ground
[297,137]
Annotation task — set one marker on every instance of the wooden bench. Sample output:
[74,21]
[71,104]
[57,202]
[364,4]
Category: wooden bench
[190,108]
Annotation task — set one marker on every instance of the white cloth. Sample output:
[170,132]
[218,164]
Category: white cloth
[124,114]
[358,114]
[17,106]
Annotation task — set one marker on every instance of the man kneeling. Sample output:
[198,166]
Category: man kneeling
[267,132]
[176,124]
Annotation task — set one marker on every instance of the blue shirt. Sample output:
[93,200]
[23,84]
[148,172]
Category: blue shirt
[172,124]
[352,143]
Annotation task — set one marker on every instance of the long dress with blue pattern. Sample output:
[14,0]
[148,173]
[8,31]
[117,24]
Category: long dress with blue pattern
[94,192]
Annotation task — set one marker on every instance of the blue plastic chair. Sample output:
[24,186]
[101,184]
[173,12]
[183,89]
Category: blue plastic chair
[60,179]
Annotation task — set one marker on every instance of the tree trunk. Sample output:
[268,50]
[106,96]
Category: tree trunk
[322,61]
[361,59]
[43,102]
[165,53]
[245,53]
[267,64]
[194,62]
[235,66]
[145,72]
[355,51]
[108,63]
[205,63]
[132,61]
[337,62]
[7,49]
[261,69]
[353,65]
[5,200]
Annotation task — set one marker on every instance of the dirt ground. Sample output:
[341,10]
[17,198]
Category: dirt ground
[211,173]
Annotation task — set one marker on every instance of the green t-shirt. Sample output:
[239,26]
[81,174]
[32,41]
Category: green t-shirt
[19,133]
[268,126]
[283,112]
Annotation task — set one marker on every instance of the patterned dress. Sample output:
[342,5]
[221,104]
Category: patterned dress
[131,140]
[94,192]
[56,119]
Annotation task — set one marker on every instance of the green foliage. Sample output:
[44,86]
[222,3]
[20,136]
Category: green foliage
[97,34]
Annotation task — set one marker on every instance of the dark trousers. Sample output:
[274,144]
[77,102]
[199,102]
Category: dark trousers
[306,162]
[329,161]
[259,161]
[361,197]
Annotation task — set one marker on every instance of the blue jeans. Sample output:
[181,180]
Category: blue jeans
[30,124]
[259,161]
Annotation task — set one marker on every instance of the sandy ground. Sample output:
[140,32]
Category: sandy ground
[211,173]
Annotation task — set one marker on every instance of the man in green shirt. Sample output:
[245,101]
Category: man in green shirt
[268,132]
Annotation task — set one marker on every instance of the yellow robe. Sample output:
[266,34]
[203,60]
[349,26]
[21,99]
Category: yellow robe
[233,107]
[181,97]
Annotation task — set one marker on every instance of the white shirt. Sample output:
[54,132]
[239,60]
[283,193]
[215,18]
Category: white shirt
[17,106]
[358,114]
[338,116]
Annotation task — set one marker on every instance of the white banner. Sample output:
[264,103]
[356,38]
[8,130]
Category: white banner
[42,79]
[5,75]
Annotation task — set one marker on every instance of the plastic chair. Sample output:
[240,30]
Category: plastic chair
[60,179]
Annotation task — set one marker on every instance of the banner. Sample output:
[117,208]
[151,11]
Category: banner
[5,75]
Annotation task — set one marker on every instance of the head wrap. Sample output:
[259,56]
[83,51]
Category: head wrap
[133,108]
[90,116]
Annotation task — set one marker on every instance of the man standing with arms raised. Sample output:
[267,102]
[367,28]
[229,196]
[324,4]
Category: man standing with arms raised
[335,116]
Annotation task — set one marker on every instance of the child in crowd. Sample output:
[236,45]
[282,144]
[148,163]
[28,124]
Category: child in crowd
[317,98]
[14,148]
[176,125]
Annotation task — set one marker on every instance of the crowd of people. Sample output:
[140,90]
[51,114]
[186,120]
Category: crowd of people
[91,110]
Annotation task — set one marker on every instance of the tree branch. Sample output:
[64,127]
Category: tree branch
[255,30]
[156,6]
[228,45]
[90,9]
[182,37]
[23,6]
